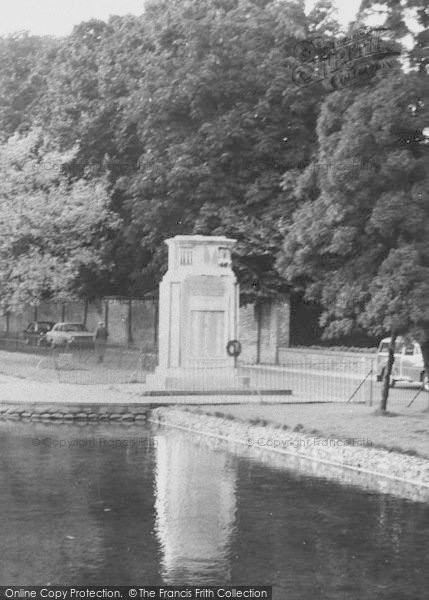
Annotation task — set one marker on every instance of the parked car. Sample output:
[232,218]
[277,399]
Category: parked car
[408,365]
[35,333]
[70,335]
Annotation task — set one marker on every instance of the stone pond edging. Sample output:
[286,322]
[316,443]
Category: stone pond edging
[369,467]
[74,412]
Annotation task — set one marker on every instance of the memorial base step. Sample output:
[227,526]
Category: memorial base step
[196,381]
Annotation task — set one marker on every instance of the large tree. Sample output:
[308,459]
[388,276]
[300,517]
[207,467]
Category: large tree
[359,242]
[191,111]
[219,120]
[53,233]
[93,73]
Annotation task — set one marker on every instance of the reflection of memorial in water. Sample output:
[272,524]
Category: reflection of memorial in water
[195,508]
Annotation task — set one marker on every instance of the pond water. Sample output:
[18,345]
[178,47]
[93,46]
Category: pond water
[121,505]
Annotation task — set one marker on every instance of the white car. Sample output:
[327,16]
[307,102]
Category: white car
[69,335]
[408,365]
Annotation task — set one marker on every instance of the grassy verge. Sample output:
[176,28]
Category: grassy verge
[406,432]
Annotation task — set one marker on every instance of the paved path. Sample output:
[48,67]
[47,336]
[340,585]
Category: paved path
[14,390]
[18,391]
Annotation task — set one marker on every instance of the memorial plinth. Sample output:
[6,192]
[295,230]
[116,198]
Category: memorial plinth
[198,315]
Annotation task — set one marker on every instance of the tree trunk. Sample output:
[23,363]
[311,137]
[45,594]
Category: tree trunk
[258,311]
[425,352]
[387,373]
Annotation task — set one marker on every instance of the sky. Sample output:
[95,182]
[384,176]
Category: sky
[58,17]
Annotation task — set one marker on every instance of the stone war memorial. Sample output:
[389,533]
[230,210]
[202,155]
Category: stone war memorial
[198,316]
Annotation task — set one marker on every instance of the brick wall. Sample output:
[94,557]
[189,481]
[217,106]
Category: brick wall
[127,320]
[262,330]
[248,334]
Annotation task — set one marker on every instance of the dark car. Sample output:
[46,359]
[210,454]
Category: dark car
[35,334]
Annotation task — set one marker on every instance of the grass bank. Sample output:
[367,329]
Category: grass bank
[406,431]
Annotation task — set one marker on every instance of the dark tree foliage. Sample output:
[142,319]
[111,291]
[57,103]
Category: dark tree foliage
[358,243]
[192,111]
[218,120]
[24,68]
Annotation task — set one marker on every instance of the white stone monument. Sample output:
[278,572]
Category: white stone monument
[198,315]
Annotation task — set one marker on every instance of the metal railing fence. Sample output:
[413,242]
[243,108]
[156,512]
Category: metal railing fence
[324,378]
